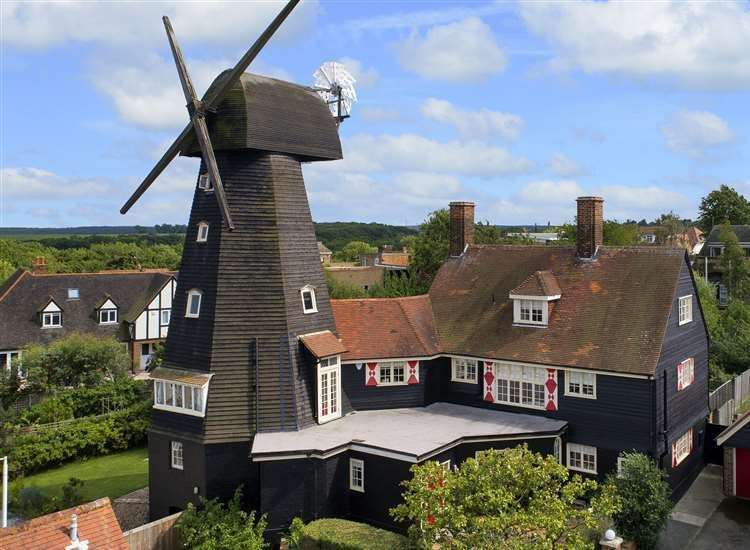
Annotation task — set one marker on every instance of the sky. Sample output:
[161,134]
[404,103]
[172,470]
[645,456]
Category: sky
[517,106]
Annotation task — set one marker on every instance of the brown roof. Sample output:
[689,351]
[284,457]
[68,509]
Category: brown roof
[395,258]
[323,344]
[539,283]
[97,524]
[382,328]
[611,317]
[178,375]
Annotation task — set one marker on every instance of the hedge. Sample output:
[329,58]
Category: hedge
[341,534]
[49,447]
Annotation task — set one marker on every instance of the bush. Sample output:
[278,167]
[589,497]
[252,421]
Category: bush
[341,534]
[644,495]
[30,502]
[48,447]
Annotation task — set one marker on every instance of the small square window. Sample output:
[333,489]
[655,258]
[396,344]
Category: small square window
[107,316]
[73,294]
[194,303]
[309,305]
[204,182]
[685,309]
[582,458]
[177,463]
[464,370]
[51,320]
[357,475]
[202,235]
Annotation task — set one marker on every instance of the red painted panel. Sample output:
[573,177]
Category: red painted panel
[742,469]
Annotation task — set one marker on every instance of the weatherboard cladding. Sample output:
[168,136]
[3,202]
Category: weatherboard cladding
[251,311]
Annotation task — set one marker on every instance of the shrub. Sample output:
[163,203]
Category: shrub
[30,502]
[219,527]
[644,495]
[341,534]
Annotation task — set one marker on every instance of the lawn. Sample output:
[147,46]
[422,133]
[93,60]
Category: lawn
[104,476]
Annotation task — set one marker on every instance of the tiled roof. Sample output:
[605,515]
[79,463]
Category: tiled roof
[611,317]
[97,524]
[382,328]
[395,258]
[323,344]
[742,232]
[323,249]
[539,283]
[26,293]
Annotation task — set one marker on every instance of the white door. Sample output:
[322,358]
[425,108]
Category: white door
[329,389]
[147,350]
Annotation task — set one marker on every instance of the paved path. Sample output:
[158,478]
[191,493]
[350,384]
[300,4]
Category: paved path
[728,527]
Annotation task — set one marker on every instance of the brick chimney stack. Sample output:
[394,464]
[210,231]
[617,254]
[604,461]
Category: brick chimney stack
[590,226]
[39,265]
[461,226]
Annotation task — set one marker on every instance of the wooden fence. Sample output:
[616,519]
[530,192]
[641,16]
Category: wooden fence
[62,423]
[724,401]
[157,535]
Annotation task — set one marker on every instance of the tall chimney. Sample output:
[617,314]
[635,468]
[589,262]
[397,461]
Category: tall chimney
[39,265]
[590,226]
[461,226]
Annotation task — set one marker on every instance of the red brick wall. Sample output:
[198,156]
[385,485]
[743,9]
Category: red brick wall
[590,225]
[461,226]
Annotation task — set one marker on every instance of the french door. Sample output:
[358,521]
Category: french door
[329,389]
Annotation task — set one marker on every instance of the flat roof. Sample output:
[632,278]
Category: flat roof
[412,434]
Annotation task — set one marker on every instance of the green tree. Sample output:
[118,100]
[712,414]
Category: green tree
[75,360]
[352,250]
[614,233]
[723,204]
[731,347]
[644,493]
[670,227]
[6,269]
[219,527]
[734,264]
[514,497]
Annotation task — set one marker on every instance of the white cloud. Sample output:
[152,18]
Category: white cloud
[30,183]
[550,192]
[375,113]
[638,200]
[481,123]
[460,52]
[694,133]
[564,166]
[126,24]
[366,78]
[693,44]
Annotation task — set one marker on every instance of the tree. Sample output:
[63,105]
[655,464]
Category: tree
[353,249]
[219,527]
[670,227]
[734,264]
[723,204]
[6,269]
[614,233]
[514,497]
[644,493]
[75,360]
[731,347]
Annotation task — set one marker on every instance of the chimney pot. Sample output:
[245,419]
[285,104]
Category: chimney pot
[74,528]
[39,265]
[590,226]
[461,227]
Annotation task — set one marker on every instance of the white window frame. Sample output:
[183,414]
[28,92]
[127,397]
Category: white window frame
[105,316]
[686,374]
[163,389]
[446,465]
[620,460]
[202,235]
[531,304]
[48,319]
[390,367]
[577,381]
[311,291]
[524,382]
[683,447]
[191,293]
[685,309]
[74,294]
[176,451]
[583,450]
[168,311]
[460,370]
[354,465]
[204,182]
[329,366]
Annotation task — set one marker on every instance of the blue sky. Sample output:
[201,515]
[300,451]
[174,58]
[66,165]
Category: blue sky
[519,107]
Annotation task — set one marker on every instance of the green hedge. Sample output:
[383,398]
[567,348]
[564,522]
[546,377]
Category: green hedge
[341,534]
[49,447]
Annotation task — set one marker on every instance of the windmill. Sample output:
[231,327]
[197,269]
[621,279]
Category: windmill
[335,85]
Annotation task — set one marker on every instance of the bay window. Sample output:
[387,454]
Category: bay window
[179,397]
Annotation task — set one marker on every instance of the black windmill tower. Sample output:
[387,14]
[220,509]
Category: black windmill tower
[242,298]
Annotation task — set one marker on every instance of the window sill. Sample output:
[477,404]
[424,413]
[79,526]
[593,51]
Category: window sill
[387,384]
[180,468]
[680,323]
[109,323]
[582,470]
[328,419]
[309,311]
[52,326]
[542,408]
[179,410]
[580,395]
[358,489]
[463,381]
[530,325]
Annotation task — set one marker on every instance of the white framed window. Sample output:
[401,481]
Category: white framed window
[392,373]
[464,370]
[194,303]
[180,398]
[682,448]
[204,182]
[165,316]
[107,316]
[557,450]
[73,294]
[620,461]
[580,384]
[521,385]
[685,373]
[446,465]
[529,312]
[177,463]
[52,319]
[329,389]
[685,306]
[202,235]
[309,305]
[357,475]
[582,458]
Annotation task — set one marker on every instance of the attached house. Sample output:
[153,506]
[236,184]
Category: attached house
[709,261]
[132,306]
[580,352]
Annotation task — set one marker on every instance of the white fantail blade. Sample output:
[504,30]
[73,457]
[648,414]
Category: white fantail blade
[335,85]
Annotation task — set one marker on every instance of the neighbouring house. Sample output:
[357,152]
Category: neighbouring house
[649,234]
[735,440]
[708,262]
[91,526]
[319,407]
[359,276]
[132,306]
[539,238]
[325,254]
[387,258]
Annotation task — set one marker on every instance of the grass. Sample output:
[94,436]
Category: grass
[104,476]
[343,534]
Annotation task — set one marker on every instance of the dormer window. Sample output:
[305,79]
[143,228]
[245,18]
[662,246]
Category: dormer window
[532,299]
[194,303]
[204,182]
[202,236]
[73,294]
[108,313]
[51,320]
[309,305]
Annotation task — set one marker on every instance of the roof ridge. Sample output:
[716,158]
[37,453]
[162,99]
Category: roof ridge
[14,283]
[108,272]
[383,299]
